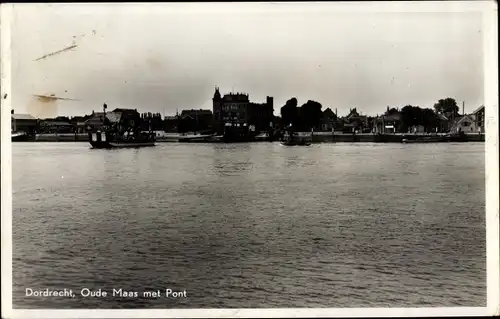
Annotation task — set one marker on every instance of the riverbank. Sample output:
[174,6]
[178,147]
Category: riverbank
[319,137]
[382,138]
[51,138]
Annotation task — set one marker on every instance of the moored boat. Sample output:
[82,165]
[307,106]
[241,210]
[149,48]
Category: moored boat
[425,139]
[19,137]
[293,139]
[459,137]
[301,142]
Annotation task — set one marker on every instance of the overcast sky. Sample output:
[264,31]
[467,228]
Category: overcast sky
[163,57]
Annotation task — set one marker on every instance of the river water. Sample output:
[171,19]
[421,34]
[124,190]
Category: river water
[251,225]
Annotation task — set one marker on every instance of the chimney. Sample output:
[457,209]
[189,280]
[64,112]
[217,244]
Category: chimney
[270,101]
[11,111]
[463,107]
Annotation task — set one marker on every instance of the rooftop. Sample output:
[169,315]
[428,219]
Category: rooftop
[56,123]
[199,111]
[442,117]
[23,117]
[392,117]
[113,116]
[236,97]
[481,108]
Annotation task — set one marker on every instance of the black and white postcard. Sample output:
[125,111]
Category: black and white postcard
[274,159]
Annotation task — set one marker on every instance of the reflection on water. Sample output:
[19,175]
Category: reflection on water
[251,225]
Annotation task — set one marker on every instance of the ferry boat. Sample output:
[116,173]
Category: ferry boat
[113,140]
[119,129]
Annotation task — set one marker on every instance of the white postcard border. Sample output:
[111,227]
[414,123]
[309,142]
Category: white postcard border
[489,10]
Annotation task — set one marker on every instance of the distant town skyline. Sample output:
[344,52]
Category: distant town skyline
[161,58]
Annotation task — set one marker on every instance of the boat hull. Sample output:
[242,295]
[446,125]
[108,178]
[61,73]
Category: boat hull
[296,143]
[109,145]
[103,141]
[20,137]
[407,141]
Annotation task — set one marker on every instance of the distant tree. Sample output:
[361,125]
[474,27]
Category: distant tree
[391,111]
[446,105]
[429,119]
[409,116]
[311,114]
[289,112]
[414,115]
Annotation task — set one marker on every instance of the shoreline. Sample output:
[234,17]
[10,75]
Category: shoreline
[320,137]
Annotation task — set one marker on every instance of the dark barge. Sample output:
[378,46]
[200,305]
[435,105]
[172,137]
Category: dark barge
[456,137]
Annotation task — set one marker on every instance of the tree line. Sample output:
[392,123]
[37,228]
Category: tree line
[305,117]
[310,114]
[429,118]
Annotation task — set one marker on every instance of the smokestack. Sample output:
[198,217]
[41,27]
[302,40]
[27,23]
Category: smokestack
[463,107]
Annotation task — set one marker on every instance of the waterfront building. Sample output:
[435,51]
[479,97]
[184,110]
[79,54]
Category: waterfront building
[195,121]
[478,115]
[124,117]
[79,123]
[443,123]
[354,122]
[56,126]
[80,126]
[23,123]
[95,121]
[416,129]
[171,124]
[151,120]
[389,123]
[464,124]
[328,120]
[236,109]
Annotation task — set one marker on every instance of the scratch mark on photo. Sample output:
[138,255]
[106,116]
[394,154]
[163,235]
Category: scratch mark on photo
[57,52]
[52,97]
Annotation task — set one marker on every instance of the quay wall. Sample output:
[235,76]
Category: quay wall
[318,137]
[375,138]
[351,138]
[80,137]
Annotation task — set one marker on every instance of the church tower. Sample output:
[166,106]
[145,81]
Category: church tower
[217,94]
[217,107]
[216,102]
